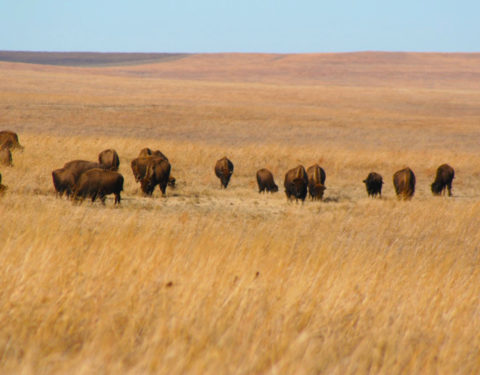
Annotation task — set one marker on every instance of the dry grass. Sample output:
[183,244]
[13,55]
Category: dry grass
[213,281]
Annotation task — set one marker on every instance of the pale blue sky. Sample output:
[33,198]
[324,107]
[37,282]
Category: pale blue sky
[240,26]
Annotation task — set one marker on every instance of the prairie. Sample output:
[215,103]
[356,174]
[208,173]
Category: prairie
[207,280]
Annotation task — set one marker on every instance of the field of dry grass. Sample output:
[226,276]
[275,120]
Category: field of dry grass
[206,280]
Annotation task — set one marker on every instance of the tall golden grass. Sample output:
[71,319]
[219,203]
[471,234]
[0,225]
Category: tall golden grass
[207,280]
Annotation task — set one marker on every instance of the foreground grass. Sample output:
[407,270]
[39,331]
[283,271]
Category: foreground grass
[385,286]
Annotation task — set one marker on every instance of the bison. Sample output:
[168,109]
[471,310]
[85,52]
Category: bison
[443,179]
[296,183]
[109,159]
[63,181]
[373,183]
[5,156]
[224,171]
[316,181]
[139,166]
[9,140]
[145,152]
[265,181]
[98,183]
[404,182]
[77,167]
[157,173]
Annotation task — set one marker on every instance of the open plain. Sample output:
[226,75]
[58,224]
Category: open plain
[217,281]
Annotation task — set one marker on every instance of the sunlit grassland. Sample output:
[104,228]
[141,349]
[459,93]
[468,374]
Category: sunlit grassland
[207,280]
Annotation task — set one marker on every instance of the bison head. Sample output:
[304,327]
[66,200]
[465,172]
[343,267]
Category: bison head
[299,188]
[148,181]
[437,188]
[318,190]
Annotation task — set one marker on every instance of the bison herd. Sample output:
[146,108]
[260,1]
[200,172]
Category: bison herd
[81,179]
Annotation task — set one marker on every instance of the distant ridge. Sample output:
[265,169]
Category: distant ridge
[86,59]
[360,69]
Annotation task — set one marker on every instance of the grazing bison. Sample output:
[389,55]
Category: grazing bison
[77,167]
[5,156]
[373,183]
[109,159]
[224,171]
[404,182]
[296,183]
[316,181]
[9,140]
[148,152]
[98,183]
[157,173]
[63,181]
[443,179]
[265,181]
[139,166]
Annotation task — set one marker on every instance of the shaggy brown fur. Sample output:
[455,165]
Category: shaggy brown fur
[9,140]
[443,179]
[224,171]
[109,158]
[99,183]
[265,181]
[296,183]
[157,173]
[63,181]
[77,167]
[373,183]
[404,183]
[316,181]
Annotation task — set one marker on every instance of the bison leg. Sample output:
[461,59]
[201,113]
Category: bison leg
[449,187]
[117,198]
[163,188]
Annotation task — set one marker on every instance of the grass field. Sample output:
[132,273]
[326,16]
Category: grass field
[216,281]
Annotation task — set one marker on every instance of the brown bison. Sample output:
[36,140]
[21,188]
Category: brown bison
[316,181]
[77,167]
[139,166]
[63,181]
[109,159]
[224,171]
[145,152]
[9,140]
[373,183]
[296,183]
[443,179]
[98,183]
[5,156]
[404,182]
[265,181]
[157,173]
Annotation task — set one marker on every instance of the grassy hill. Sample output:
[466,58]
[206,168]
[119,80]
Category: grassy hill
[206,280]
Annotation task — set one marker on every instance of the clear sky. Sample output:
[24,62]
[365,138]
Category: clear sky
[283,26]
